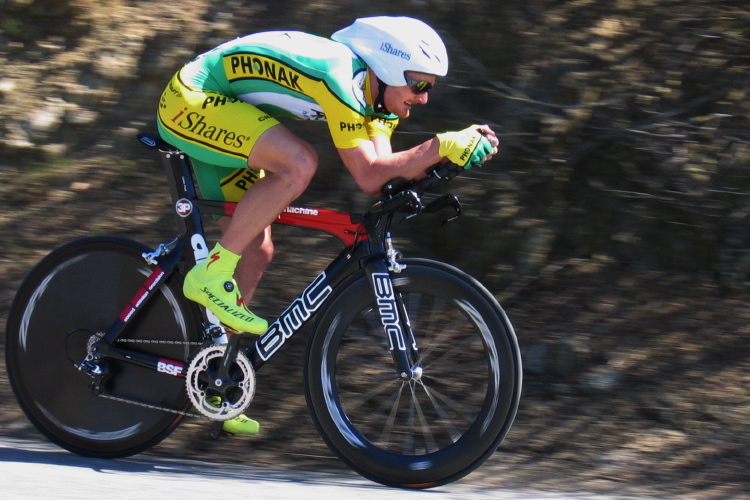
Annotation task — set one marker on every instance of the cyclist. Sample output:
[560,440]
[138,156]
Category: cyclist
[221,109]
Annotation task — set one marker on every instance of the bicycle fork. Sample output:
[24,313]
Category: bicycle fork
[394,317]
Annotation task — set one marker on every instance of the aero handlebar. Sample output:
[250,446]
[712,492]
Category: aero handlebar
[402,195]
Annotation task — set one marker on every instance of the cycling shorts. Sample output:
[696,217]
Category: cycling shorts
[217,133]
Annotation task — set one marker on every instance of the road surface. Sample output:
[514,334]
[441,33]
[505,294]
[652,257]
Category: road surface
[40,470]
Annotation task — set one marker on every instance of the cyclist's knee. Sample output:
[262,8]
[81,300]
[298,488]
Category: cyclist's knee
[297,165]
[281,153]
[307,162]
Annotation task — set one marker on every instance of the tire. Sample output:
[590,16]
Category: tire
[77,290]
[415,434]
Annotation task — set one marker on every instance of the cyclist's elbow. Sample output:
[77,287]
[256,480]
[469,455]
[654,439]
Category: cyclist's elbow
[369,185]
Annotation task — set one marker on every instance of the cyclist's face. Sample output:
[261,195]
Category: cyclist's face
[399,100]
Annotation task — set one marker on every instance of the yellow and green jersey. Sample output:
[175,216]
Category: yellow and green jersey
[294,74]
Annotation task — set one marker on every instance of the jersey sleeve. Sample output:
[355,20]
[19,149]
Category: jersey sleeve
[380,127]
[348,130]
[347,126]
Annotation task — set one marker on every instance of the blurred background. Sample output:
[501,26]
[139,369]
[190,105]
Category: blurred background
[613,226]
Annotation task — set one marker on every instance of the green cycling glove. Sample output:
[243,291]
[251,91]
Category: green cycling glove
[466,148]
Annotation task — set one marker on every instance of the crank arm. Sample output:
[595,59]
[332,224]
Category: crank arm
[230,356]
[214,432]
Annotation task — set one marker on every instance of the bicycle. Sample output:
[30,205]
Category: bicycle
[412,371]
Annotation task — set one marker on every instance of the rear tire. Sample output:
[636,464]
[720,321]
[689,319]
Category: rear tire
[76,291]
[423,433]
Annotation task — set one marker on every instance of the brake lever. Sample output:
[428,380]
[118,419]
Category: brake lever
[445,201]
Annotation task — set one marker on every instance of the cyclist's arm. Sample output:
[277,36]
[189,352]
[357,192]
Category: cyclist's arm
[365,147]
[382,146]
[373,163]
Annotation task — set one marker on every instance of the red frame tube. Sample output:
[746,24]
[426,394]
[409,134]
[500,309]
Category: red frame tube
[339,224]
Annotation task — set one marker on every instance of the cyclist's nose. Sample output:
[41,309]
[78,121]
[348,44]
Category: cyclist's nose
[422,98]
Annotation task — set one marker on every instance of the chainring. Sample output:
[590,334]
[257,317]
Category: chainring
[214,398]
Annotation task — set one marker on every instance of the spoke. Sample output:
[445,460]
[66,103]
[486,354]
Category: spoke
[446,358]
[385,435]
[370,396]
[458,406]
[443,333]
[430,444]
[375,370]
[451,429]
[433,316]
[408,443]
[372,333]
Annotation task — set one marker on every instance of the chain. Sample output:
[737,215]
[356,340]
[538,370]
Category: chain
[149,405]
[168,342]
[152,406]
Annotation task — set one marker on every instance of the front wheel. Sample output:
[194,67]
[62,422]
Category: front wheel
[72,295]
[435,428]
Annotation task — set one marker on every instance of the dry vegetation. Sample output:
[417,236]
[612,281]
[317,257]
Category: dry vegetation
[614,226]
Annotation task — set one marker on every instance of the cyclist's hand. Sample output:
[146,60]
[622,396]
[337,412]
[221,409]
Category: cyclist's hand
[469,147]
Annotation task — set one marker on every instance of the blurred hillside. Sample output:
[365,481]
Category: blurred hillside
[624,124]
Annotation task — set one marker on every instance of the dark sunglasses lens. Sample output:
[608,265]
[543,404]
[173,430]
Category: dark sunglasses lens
[421,87]
[418,87]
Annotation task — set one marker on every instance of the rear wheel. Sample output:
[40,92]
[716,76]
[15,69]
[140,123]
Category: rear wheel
[74,293]
[439,426]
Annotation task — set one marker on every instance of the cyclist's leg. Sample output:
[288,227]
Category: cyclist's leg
[225,184]
[220,132]
[255,259]
[230,133]
[289,163]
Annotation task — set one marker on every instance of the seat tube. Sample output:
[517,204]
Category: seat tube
[182,190]
[393,319]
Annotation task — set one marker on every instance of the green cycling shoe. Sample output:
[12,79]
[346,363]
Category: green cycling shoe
[211,284]
[238,426]
[241,426]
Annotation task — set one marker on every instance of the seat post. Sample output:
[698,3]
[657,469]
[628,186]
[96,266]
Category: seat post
[182,189]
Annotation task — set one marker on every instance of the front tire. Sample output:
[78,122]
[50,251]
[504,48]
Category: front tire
[419,433]
[75,292]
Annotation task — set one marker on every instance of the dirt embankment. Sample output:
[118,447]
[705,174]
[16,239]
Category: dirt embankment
[625,149]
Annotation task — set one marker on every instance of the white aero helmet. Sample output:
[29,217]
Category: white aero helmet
[393,45]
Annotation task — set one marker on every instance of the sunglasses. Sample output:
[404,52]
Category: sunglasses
[418,87]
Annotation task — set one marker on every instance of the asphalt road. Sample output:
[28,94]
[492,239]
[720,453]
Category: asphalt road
[41,470]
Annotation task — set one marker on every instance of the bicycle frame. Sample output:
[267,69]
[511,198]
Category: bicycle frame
[365,248]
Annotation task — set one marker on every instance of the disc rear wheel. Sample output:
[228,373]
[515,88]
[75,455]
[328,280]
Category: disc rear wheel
[69,298]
